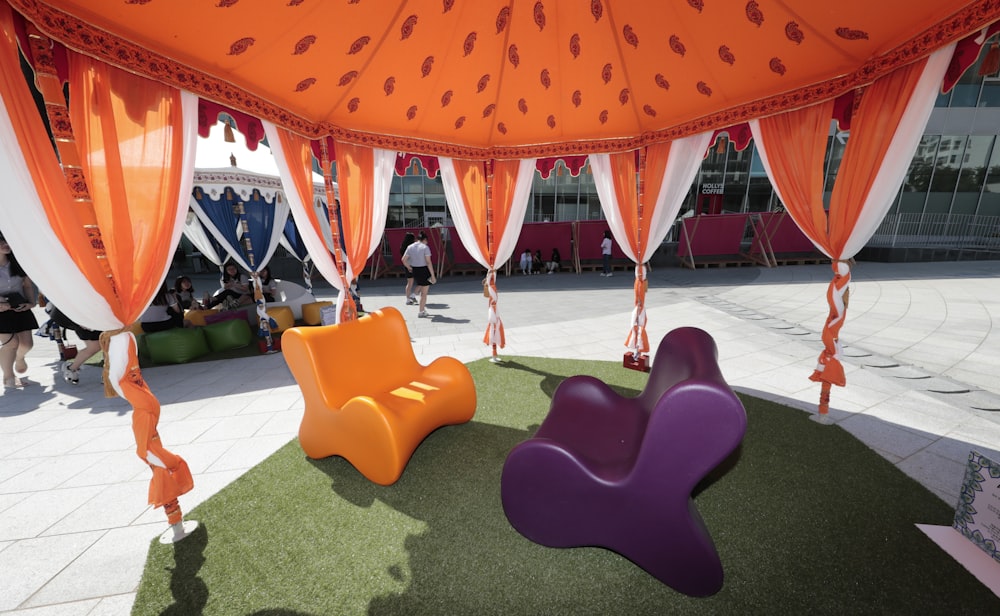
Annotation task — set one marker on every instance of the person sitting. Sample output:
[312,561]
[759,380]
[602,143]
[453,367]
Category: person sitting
[163,314]
[554,262]
[268,285]
[526,260]
[536,263]
[235,291]
[184,292]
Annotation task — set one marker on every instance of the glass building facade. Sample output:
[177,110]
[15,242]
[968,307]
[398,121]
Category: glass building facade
[950,197]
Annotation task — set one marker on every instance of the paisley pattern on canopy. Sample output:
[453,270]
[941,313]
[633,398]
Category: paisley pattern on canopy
[495,79]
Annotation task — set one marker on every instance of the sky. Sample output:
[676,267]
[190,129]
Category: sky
[213,153]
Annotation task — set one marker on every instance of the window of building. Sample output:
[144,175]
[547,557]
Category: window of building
[966,91]
[972,174]
[944,176]
[989,205]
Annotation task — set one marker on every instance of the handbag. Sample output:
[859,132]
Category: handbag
[15,299]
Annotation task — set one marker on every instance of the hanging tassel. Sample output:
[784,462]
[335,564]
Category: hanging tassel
[991,62]
[227,134]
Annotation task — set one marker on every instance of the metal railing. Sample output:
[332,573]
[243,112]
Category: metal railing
[958,231]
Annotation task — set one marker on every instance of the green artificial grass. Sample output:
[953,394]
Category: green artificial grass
[807,520]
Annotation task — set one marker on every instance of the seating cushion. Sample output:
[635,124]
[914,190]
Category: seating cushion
[141,348]
[225,335]
[311,313]
[197,317]
[176,346]
[283,316]
[228,315]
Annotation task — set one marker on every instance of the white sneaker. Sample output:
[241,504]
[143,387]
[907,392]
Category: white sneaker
[610,274]
[423,314]
[603,274]
[410,301]
[71,376]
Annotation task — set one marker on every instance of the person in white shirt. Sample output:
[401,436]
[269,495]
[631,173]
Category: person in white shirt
[606,253]
[417,259]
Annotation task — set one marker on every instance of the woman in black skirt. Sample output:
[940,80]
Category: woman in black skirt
[17,298]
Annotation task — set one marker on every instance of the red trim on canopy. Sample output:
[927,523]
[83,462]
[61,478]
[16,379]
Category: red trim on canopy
[429,163]
[966,53]
[249,126]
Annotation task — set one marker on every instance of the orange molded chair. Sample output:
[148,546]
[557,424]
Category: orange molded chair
[367,399]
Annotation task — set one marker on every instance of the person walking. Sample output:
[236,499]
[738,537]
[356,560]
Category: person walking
[91,344]
[606,253]
[411,299]
[17,298]
[417,260]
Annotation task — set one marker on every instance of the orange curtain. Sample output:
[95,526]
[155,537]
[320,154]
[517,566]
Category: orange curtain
[487,201]
[293,156]
[636,203]
[121,232]
[500,176]
[354,171]
[130,133]
[793,145]
[796,144]
[68,220]
[364,175]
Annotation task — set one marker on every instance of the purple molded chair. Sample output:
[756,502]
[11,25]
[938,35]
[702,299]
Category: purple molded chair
[616,472]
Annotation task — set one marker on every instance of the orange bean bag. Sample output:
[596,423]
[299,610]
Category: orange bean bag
[367,399]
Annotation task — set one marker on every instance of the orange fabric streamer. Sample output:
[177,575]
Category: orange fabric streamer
[638,339]
[829,369]
[171,475]
[494,335]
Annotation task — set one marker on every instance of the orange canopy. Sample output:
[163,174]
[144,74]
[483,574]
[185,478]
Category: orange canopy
[509,78]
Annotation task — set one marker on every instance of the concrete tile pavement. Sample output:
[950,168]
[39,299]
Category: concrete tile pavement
[922,362]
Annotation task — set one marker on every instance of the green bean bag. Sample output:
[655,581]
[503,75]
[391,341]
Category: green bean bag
[176,346]
[225,335]
[141,347]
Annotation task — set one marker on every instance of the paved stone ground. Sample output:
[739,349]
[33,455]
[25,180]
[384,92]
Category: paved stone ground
[922,364]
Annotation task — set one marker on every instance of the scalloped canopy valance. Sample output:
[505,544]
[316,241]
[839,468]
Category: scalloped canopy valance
[509,78]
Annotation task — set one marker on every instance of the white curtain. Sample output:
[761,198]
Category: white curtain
[903,145]
[460,216]
[41,253]
[686,156]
